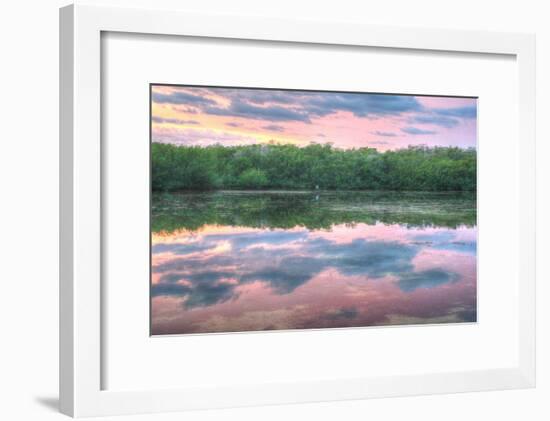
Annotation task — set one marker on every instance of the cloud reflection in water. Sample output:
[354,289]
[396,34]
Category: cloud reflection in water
[259,279]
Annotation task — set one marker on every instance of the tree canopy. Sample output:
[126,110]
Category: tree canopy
[316,166]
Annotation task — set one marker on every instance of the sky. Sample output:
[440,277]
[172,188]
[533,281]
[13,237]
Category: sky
[202,116]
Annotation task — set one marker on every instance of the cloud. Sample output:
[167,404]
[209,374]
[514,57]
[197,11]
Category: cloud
[160,120]
[438,120]
[383,134]
[169,289]
[431,278]
[281,105]
[346,313]
[430,238]
[460,112]
[446,241]
[274,263]
[372,258]
[362,105]
[200,290]
[282,268]
[233,124]
[247,110]
[181,98]
[445,117]
[290,273]
[416,131]
[206,294]
[180,249]
[465,247]
[260,96]
[184,109]
[274,128]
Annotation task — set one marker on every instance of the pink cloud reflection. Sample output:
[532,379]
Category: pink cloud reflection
[431,280]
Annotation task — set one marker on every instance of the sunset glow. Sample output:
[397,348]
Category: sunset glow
[227,116]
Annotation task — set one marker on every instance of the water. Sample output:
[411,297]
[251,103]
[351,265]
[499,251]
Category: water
[249,261]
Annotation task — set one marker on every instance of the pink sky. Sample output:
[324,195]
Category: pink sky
[238,116]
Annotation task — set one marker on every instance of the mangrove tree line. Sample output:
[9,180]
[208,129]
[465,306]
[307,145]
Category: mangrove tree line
[317,166]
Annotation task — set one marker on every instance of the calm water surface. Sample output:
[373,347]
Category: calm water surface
[245,261]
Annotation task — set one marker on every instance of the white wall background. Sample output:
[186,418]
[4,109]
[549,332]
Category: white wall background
[28,211]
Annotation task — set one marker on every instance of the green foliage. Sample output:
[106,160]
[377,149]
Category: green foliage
[252,178]
[275,166]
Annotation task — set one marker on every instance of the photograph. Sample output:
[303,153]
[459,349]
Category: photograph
[244,210]
[276,209]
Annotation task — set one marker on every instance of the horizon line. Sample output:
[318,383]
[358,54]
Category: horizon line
[331,144]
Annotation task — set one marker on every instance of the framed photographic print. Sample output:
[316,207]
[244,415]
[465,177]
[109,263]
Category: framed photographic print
[287,209]
[304,210]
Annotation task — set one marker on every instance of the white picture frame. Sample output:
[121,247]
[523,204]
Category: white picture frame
[81,320]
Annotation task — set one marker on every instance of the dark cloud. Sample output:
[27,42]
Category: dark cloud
[169,289]
[465,247]
[459,112]
[445,117]
[362,105]
[416,131]
[372,258]
[279,105]
[210,276]
[431,278]
[233,124]
[290,273]
[438,120]
[438,236]
[468,314]
[204,288]
[181,98]
[383,134]
[247,110]
[343,313]
[263,96]
[206,294]
[274,128]
[156,119]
